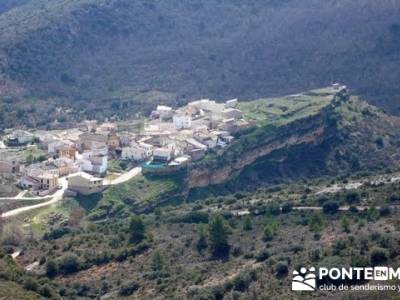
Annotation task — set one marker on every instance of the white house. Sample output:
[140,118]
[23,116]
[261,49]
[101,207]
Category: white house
[135,152]
[20,137]
[95,161]
[231,103]
[182,121]
[147,147]
[163,154]
[100,164]
[164,112]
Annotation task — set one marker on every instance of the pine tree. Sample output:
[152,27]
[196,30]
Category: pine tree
[158,262]
[345,224]
[218,235]
[137,229]
[317,223]
[247,225]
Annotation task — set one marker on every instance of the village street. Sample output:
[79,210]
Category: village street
[59,194]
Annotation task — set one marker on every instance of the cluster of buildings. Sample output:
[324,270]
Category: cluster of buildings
[169,137]
[177,136]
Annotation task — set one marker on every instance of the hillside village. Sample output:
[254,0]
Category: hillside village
[168,139]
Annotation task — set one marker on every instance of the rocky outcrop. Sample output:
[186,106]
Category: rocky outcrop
[310,131]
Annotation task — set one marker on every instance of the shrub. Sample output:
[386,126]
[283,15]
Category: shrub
[69,264]
[378,256]
[281,269]
[345,224]
[330,207]
[262,256]
[128,289]
[268,234]
[191,217]
[273,209]
[384,211]
[243,280]
[137,229]
[30,284]
[158,262]
[317,223]
[247,225]
[372,214]
[56,233]
[287,208]
[51,268]
[352,197]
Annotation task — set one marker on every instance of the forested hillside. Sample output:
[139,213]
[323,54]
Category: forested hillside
[95,50]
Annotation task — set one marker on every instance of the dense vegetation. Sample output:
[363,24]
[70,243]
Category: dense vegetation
[205,250]
[150,237]
[112,54]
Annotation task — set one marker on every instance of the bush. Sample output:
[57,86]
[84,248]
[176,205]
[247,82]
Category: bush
[281,269]
[268,234]
[273,209]
[128,289]
[378,256]
[287,208]
[330,207]
[56,233]
[137,229]
[262,256]
[247,225]
[158,262]
[243,280]
[30,284]
[69,264]
[317,223]
[191,217]
[51,268]
[384,211]
[352,197]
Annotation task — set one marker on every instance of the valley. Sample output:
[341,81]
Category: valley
[199,150]
[339,206]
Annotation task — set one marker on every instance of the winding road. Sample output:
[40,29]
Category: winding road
[59,194]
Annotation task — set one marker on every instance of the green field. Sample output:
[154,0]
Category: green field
[283,110]
[140,191]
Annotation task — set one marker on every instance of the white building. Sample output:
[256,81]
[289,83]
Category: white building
[234,113]
[182,121]
[231,103]
[95,161]
[163,154]
[21,137]
[206,105]
[135,152]
[164,112]
[85,184]
[55,145]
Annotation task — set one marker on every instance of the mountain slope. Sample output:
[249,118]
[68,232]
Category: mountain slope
[307,140]
[97,50]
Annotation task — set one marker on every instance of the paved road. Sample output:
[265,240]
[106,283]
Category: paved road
[59,194]
[124,177]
